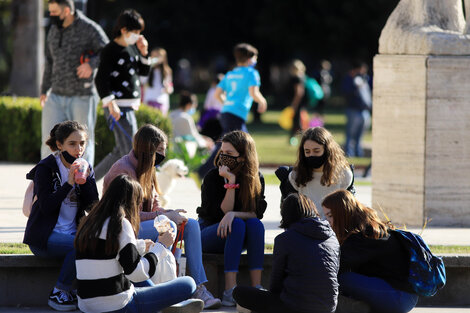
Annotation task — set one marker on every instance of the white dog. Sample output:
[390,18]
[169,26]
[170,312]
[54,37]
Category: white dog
[166,176]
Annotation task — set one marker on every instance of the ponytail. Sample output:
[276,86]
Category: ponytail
[61,131]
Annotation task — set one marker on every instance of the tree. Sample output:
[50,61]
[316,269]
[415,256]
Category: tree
[28,42]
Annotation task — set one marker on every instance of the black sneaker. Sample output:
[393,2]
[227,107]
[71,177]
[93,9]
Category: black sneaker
[61,301]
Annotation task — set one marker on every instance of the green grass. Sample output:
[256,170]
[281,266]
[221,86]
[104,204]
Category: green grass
[20,248]
[272,142]
[437,250]
[14,248]
[271,179]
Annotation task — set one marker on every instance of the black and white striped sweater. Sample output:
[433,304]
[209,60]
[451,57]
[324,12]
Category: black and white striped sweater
[103,281]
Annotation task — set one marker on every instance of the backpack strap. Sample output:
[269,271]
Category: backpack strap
[351,187]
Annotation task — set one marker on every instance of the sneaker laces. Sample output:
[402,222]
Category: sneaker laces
[64,296]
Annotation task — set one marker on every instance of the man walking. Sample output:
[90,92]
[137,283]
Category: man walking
[72,56]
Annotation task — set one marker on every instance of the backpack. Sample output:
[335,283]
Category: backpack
[427,272]
[29,199]
[313,91]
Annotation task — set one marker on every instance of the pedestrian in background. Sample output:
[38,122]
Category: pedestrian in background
[73,47]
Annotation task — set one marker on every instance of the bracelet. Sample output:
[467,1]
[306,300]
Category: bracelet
[232,186]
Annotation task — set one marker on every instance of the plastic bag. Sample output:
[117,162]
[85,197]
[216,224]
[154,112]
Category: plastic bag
[166,266]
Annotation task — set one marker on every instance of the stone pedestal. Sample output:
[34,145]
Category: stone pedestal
[421,139]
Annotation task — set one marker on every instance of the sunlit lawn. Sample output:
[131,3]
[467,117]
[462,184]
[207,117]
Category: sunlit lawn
[272,141]
[20,248]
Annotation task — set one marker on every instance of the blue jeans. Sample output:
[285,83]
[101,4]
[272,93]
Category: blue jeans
[192,246]
[60,246]
[156,298]
[246,234]
[354,131]
[63,108]
[122,139]
[377,293]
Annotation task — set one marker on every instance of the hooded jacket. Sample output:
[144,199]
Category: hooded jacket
[305,266]
[51,192]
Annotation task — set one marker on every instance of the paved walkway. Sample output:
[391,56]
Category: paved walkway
[185,195]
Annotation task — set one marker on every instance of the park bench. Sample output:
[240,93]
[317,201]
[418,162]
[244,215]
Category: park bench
[26,280]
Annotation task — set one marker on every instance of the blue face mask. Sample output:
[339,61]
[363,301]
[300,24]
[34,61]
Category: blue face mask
[191,111]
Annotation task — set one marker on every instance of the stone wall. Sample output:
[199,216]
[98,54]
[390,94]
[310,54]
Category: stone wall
[421,139]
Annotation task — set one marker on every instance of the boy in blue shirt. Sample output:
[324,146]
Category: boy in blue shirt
[239,88]
[236,91]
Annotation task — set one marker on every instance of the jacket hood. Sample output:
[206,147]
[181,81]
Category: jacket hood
[314,228]
[48,162]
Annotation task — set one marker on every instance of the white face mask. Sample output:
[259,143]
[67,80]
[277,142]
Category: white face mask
[131,39]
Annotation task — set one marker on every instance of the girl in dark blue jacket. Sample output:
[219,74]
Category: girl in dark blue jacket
[60,205]
[305,265]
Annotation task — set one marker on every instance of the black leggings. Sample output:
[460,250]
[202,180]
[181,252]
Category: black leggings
[260,301]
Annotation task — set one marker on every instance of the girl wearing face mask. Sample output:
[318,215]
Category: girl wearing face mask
[122,61]
[149,146]
[232,208]
[60,204]
[320,169]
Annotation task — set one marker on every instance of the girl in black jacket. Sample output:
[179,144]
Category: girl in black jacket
[374,265]
[232,208]
[60,205]
[305,265]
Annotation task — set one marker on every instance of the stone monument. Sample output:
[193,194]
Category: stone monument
[421,115]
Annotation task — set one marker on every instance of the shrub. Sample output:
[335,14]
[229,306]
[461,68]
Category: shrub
[20,129]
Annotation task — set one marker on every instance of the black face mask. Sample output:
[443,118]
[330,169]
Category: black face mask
[158,158]
[316,161]
[56,20]
[68,157]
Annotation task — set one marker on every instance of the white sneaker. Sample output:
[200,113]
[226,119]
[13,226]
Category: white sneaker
[210,302]
[186,306]
[227,299]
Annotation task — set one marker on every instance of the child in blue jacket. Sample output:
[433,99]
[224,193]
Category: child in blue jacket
[60,205]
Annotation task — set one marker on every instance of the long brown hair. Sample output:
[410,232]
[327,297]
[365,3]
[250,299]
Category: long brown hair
[248,173]
[334,165]
[351,217]
[164,68]
[121,200]
[145,144]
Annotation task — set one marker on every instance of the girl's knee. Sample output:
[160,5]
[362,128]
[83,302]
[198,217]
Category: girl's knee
[254,225]
[192,225]
[238,225]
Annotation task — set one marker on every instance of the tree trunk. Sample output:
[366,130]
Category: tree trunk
[28,43]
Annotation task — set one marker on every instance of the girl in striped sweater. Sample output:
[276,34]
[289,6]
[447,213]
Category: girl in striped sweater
[109,257]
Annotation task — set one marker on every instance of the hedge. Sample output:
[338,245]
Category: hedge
[20,129]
